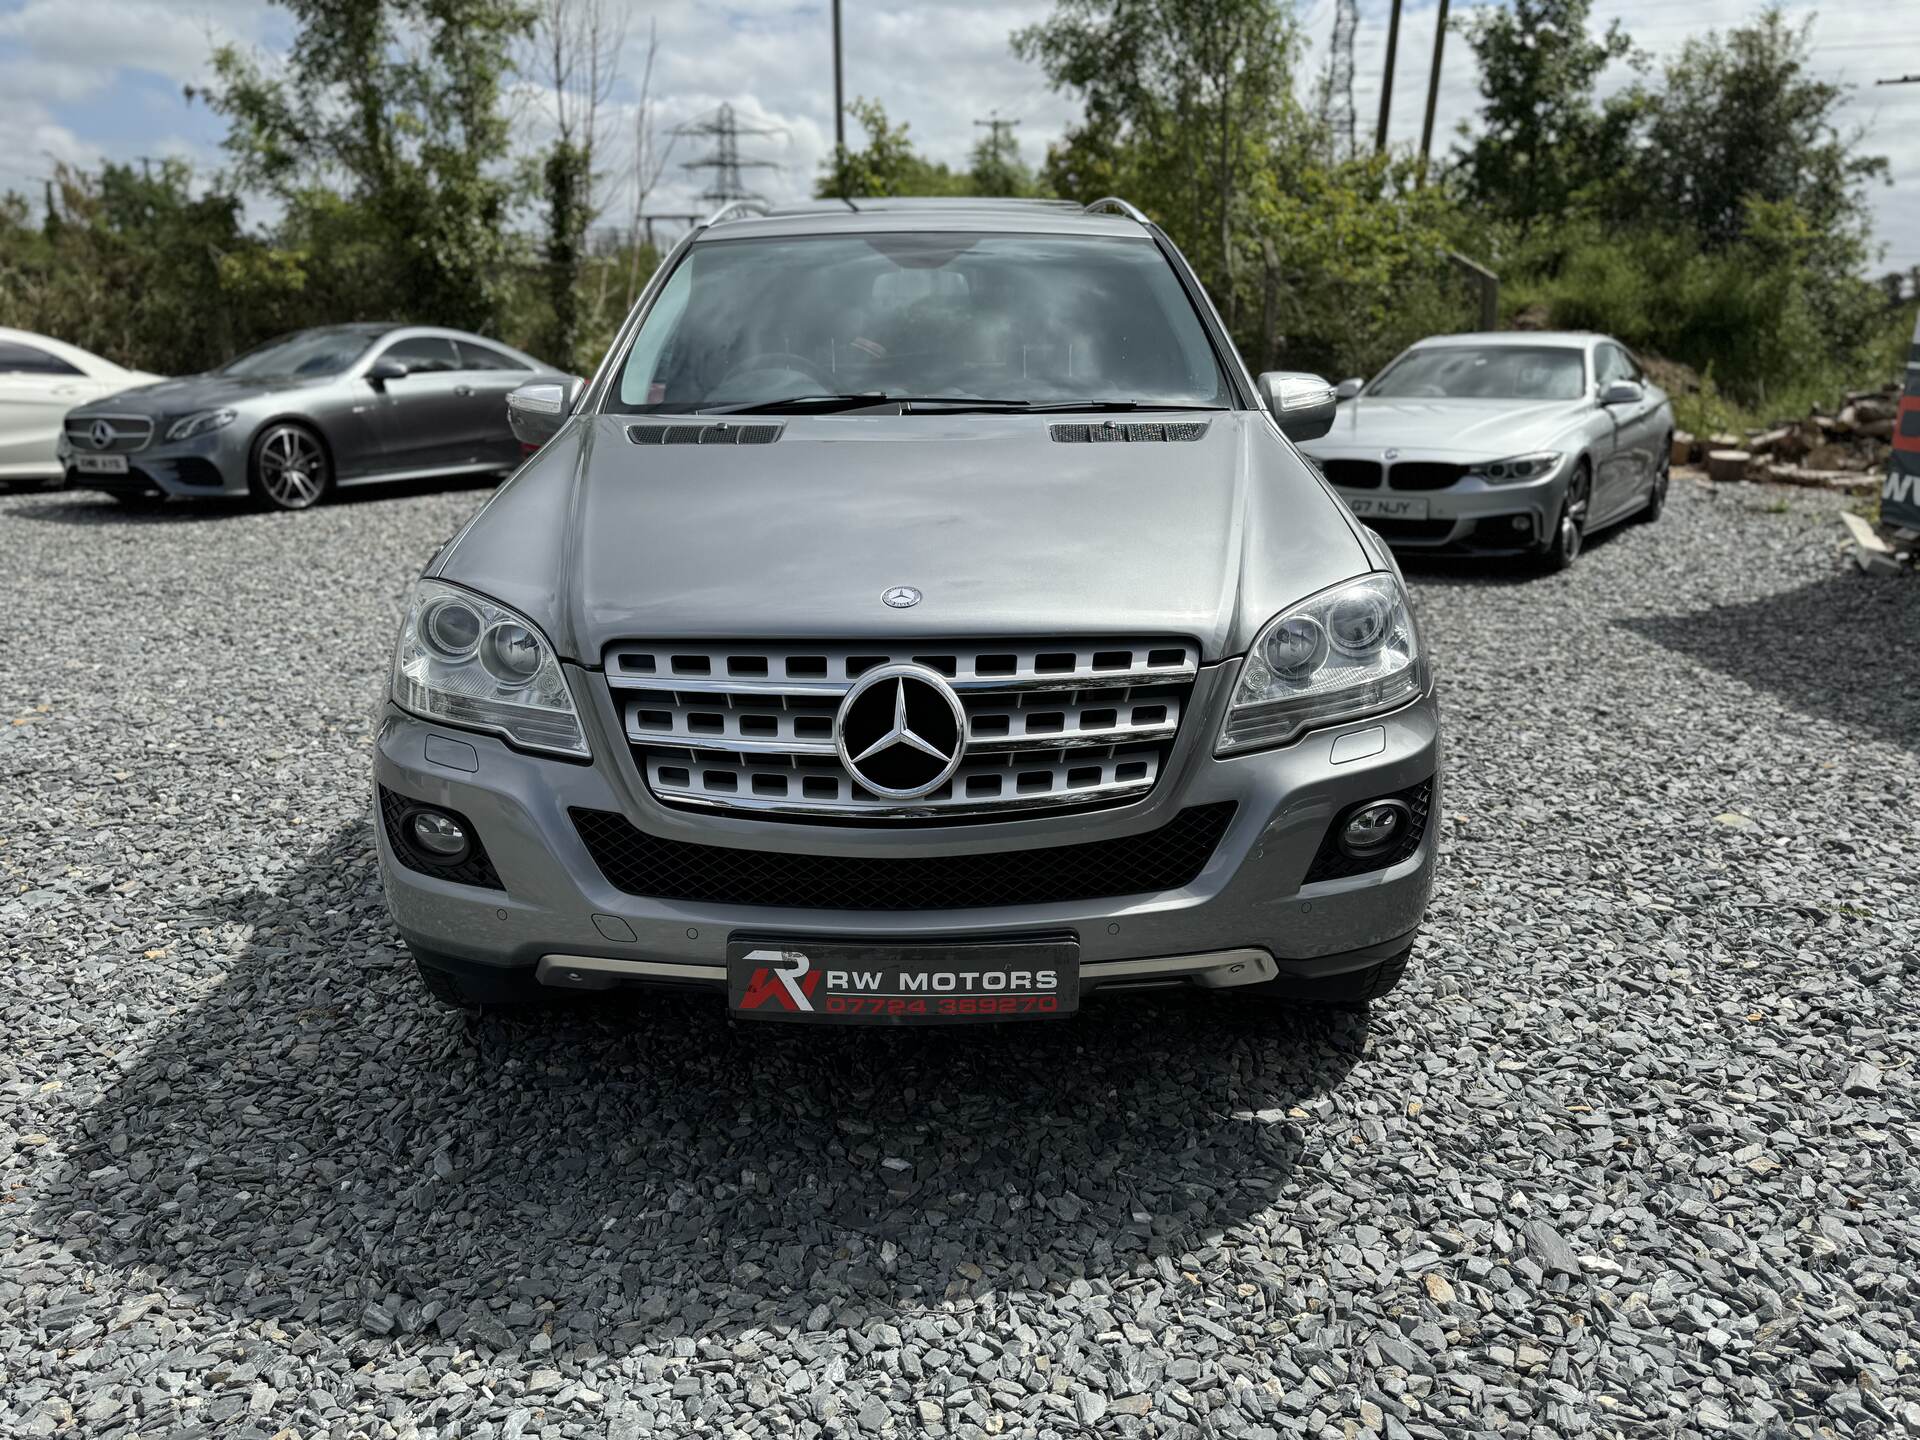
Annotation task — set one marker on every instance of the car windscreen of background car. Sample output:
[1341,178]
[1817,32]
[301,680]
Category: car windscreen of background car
[1499,372]
[310,352]
[1037,318]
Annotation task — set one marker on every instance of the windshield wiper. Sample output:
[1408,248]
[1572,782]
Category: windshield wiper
[801,404]
[1065,407]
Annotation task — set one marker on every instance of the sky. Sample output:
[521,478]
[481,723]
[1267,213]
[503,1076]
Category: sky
[83,80]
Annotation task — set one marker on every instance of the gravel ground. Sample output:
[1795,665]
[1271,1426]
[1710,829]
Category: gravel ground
[1632,1152]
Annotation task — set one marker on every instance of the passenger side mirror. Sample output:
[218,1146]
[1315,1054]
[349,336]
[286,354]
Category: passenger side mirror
[384,369]
[537,410]
[1302,404]
[1348,388]
[1622,392]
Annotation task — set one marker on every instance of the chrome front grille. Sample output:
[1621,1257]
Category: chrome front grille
[125,433]
[1048,723]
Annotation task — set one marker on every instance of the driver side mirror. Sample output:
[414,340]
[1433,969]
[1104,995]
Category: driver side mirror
[1302,404]
[1622,392]
[538,409]
[1348,388]
[384,369]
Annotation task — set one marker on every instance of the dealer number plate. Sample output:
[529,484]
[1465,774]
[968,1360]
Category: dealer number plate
[876,983]
[1387,507]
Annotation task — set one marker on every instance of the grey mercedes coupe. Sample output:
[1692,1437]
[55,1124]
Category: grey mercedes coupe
[318,409]
[1521,443]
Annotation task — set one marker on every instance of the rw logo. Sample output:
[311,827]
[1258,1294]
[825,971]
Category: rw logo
[785,978]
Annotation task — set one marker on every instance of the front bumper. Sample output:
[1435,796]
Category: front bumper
[557,917]
[207,465]
[1470,516]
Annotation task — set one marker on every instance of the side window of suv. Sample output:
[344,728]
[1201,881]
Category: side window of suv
[424,354]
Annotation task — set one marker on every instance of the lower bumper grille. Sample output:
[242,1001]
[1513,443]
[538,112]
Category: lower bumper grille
[475,869]
[1333,863]
[662,869]
[1428,530]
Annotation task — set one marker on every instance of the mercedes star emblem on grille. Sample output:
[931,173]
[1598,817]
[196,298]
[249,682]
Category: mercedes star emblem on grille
[901,596]
[901,731]
[101,434]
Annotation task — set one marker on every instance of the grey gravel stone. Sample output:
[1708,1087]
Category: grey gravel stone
[1607,1164]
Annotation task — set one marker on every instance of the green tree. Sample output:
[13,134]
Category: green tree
[1185,102]
[397,104]
[1742,119]
[995,167]
[137,263]
[1541,138]
[889,165]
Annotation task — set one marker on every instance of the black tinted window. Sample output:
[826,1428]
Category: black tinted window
[423,354]
[18,359]
[1041,318]
[474,356]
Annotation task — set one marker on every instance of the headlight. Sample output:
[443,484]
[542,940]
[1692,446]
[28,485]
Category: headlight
[1520,467]
[188,426]
[467,661]
[1348,652]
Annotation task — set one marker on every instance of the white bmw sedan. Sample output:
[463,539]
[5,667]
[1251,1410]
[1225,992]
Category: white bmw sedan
[1514,443]
[40,380]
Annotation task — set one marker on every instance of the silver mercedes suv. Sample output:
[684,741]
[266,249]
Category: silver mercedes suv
[921,616]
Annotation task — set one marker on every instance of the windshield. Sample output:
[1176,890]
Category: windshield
[1499,372]
[1027,319]
[309,352]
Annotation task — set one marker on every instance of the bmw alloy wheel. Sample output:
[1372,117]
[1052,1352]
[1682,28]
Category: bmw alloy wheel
[290,467]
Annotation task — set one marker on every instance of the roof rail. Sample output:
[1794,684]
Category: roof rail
[727,211]
[1118,206]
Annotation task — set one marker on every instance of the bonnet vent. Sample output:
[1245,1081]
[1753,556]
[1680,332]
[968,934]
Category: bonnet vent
[1082,434]
[716,434]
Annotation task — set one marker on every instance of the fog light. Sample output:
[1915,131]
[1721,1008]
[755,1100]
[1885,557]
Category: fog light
[1522,522]
[1372,828]
[439,835]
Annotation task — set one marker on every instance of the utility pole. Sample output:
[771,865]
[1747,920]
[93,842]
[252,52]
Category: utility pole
[1386,87]
[839,91]
[999,128]
[1433,94]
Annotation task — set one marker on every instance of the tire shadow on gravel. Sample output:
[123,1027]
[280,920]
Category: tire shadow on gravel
[1840,649]
[311,1142]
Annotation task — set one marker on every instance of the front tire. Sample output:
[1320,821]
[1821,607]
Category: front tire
[288,468]
[1570,530]
[1662,481]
